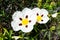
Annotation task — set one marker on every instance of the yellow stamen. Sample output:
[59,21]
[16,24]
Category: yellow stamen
[39,18]
[25,21]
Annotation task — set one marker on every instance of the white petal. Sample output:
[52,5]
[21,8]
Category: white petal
[54,15]
[36,10]
[41,12]
[15,25]
[27,11]
[17,15]
[33,19]
[28,29]
[45,20]
[30,14]
[44,12]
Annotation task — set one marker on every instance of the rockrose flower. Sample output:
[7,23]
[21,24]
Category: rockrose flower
[23,21]
[41,15]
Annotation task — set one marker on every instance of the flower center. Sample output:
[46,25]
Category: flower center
[39,18]
[25,21]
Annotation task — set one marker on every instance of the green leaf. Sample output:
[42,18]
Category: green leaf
[43,30]
[45,34]
[52,28]
[58,32]
[1,38]
[5,31]
[49,35]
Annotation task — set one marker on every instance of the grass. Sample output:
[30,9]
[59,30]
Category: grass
[49,31]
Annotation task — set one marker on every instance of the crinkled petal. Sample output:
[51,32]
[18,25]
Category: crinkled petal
[33,19]
[41,12]
[17,15]
[45,20]
[27,29]
[27,12]
[15,25]
[44,12]
[36,10]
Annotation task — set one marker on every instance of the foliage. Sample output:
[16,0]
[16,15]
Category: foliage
[48,31]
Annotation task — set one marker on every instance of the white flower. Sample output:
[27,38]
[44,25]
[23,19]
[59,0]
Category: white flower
[41,15]
[16,15]
[16,37]
[23,20]
[15,25]
[54,15]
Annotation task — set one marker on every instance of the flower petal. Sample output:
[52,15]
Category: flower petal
[36,10]
[45,20]
[33,19]
[44,12]
[17,15]
[27,12]
[27,29]
[15,25]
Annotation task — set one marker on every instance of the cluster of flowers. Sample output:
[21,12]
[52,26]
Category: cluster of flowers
[25,19]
